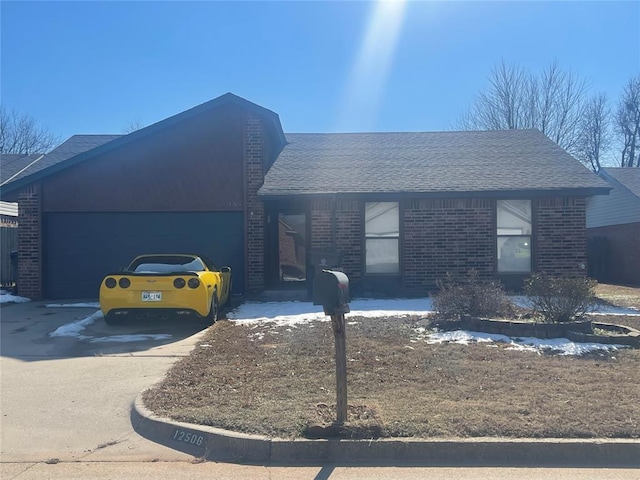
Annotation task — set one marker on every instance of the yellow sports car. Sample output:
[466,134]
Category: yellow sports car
[163,285]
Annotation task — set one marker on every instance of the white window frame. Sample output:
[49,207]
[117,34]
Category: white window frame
[370,238]
[503,235]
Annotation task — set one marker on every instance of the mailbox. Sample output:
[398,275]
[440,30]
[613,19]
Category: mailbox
[331,290]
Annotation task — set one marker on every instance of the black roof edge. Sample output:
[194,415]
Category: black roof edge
[507,194]
[228,97]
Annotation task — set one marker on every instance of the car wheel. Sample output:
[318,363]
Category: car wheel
[213,312]
[112,320]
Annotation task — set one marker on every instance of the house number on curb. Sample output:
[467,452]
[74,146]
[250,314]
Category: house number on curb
[188,437]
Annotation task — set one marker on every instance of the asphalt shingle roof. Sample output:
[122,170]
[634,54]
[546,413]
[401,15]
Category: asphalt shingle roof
[73,146]
[628,177]
[432,162]
[12,163]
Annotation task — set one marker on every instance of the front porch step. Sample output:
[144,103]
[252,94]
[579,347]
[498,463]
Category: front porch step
[279,296]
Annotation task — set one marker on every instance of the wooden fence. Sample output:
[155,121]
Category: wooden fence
[8,244]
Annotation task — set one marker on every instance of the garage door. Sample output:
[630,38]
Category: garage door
[80,248]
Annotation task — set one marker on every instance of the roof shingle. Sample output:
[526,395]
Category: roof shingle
[73,146]
[12,163]
[431,162]
[627,177]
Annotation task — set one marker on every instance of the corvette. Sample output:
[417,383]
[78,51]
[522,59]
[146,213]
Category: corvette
[163,285]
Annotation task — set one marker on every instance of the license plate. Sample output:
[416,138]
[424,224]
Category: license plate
[151,296]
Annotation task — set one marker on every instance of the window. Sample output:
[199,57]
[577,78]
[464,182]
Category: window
[514,236]
[166,264]
[382,237]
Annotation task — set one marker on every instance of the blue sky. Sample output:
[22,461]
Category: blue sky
[95,67]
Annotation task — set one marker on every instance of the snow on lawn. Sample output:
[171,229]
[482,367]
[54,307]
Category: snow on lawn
[6,297]
[300,313]
[560,346]
[297,313]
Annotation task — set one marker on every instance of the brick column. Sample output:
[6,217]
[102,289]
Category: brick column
[561,236]
[253,142]
[349,237]
[30,243]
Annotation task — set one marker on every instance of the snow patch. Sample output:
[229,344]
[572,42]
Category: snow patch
[6,297]
[560,346]
[74,329]
[299,313]
[73,305]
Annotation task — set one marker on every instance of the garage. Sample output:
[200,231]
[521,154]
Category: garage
[81,248]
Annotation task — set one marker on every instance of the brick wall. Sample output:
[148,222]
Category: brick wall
[253,143]
[446,236]
[440,236]
[348,235]
[29,243]
[561,236]
[321,224]
[349,232]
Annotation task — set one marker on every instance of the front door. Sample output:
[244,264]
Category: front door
[292,248]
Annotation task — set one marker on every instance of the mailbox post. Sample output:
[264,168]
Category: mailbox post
[331,290]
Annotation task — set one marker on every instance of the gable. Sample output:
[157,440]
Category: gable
[274,138]
[195,165]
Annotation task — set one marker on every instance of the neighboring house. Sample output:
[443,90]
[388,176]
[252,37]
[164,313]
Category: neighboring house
[8,214]
[11,166]
[613,228]
[396,211]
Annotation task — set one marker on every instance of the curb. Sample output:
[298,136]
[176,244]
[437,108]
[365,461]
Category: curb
[216,444]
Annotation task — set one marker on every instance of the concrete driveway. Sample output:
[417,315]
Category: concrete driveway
[65,405]
[68,398]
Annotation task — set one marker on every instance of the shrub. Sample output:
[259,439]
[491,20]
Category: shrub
[560,299]
[470,295]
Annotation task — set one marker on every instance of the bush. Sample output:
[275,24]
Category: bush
[560,299]
[470,296]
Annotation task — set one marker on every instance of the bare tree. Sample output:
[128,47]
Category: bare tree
[552,102]
[20,134]
[627,123]
[595,133]
[132,126]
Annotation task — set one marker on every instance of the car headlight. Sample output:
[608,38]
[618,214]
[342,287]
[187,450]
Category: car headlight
[179,283]
[194,283]
[110,283]
[124,282]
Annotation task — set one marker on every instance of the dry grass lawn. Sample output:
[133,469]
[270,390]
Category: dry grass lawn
[276,381]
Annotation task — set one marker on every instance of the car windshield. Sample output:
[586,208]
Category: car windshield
[167,264]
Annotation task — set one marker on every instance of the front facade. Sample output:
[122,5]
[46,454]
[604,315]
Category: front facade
[395,211]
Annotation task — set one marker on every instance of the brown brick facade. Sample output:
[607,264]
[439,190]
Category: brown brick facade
[29,242]
[348,232]
[446,236]
[253,141]
[321,224]
[441,236]
[560,240]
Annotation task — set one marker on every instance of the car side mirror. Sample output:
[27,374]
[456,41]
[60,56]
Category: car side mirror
[225,269]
